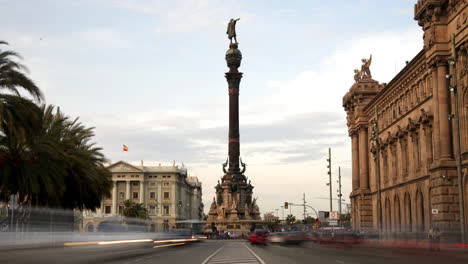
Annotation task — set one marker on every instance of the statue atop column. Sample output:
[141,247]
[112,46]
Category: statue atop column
[231,30]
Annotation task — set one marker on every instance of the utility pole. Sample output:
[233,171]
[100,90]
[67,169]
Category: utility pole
[339,190]
[303,199]
[329,178]
[282,207]
[456,121]
[375,139]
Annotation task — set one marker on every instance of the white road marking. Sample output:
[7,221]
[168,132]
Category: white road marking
[212,255]
[253,253]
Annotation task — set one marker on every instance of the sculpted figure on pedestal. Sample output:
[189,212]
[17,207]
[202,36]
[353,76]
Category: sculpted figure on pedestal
[357,75]
[231,30]
[365,68]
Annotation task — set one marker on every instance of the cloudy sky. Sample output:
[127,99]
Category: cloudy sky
[150,74]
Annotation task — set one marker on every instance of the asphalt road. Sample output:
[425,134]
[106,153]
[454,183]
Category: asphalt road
[230,252]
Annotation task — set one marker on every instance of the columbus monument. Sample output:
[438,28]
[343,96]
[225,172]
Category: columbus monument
[233,209]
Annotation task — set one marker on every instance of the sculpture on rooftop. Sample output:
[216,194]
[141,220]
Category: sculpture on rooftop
[365,68]
[231,30]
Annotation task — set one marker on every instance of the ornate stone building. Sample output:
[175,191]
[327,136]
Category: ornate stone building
[411,117]
[159,188]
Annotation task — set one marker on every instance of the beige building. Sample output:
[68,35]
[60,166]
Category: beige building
[169,194]
[405,131]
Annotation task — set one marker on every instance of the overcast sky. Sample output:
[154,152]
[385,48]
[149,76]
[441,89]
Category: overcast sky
[150,74]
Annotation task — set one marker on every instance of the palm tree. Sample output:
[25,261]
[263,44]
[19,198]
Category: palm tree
[52,163]
[290,219]
[12,75]
[135,210]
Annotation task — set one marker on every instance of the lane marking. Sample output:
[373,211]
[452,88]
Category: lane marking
[253,253]
[212,255]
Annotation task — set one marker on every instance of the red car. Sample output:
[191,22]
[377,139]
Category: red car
[258,237]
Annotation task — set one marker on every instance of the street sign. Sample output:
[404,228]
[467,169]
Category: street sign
[333,220]
[435,212]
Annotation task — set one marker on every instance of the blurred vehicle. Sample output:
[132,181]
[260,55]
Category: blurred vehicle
[334,235]
[258,237]
[287,238]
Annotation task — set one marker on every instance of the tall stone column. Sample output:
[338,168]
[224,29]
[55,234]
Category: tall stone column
[435,107]
[114,197]
[363,159]
[142,192]
[355,159]
[127,190]
[159,202]
[446,151]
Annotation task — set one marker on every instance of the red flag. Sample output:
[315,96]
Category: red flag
[125,148]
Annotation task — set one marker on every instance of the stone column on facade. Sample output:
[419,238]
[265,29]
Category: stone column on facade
[114,197]
[127,190]
[173,200]
[159,202]
[363,159]
[355,159]
[435,106]
[142,192]
[444,111]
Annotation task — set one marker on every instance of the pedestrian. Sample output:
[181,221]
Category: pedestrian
[436,238]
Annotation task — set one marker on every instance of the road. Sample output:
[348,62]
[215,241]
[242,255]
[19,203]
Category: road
[225,251]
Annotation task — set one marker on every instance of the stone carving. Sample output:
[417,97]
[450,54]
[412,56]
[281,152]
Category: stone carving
[255,209]
[365,67]
[244,166]
[246,209]
[234,205]
[124,167]
[357,75]
[224,166]
[221,212]
[231,30]
[213,207]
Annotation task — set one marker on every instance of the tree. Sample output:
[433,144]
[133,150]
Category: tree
[272,224]
[135,210]
[308,220]
[290,219]
[12,75]
[48,159]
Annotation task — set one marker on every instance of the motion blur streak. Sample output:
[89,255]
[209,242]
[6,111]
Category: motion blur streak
[80,243]
[175,240]
[124,241]
[107,242]
[176,244]
[461,245]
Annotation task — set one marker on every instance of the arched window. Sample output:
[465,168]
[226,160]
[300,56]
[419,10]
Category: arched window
[420,211]
[397,214]
[408,216]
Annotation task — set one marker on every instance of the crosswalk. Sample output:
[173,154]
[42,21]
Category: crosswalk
[234,253]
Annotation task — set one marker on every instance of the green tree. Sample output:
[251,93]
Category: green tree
[12,75]
[272,224]
[135,210]
[51,161]
[290,219]
[308,220]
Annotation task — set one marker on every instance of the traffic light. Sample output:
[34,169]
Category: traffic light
[286,205]
[180,203]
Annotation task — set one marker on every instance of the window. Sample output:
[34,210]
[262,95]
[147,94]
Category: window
[166,210]
[166,184]
[121,195]
[152,210]
[152,184]
[135,195]
[135,183]
[166,195]
[107,209]
[417,153]
[152,195]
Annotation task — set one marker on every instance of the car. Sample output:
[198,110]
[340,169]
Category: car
[258,237]
[276,238]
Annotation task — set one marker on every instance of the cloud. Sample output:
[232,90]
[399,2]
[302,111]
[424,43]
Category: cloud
[188,15]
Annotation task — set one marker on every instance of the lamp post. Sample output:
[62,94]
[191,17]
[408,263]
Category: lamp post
[456,122]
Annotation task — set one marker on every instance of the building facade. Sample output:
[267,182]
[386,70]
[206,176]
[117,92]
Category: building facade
[404,133]
[169,194]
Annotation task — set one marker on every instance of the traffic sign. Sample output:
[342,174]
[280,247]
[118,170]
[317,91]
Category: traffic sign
[333,217]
